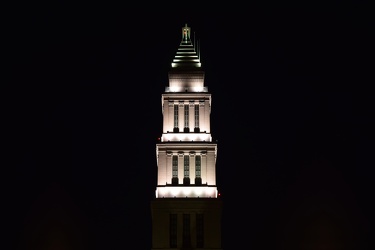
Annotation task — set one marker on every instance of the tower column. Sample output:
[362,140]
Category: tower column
[192,168]
[204,167]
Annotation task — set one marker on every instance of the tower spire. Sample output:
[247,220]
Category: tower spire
[186,34]
[186,56]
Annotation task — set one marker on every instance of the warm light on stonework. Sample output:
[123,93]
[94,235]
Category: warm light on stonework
[186,137]
[174,65]
[186,89]
[188,191]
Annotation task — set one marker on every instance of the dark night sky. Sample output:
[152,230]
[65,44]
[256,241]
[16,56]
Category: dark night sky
[292,111]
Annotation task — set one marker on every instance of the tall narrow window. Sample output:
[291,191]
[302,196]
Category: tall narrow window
[175,170]
[186,239]
[186,170]
[198,176]
[196,118]
[175,113]
[200,230]
[173,230]
[186,118]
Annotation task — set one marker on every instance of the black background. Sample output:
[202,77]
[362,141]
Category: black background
[292,111]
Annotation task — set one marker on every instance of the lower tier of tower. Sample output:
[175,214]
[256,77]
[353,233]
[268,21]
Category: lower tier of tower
[186,223]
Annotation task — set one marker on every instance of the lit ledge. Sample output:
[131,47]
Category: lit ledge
[186,137]
[186,191]
[183,88]
[197,65]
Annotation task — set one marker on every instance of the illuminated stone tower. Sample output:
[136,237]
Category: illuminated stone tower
[186,211]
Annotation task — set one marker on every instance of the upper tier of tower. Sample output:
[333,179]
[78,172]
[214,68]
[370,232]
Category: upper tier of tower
[186,74]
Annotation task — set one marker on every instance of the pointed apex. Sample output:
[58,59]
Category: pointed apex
[186,34]
[187,55]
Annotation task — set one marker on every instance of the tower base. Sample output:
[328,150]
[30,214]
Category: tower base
[186,223]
